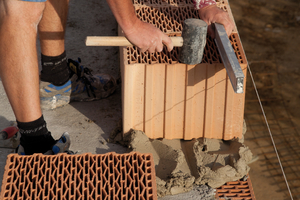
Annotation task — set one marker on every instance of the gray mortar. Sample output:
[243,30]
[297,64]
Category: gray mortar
[221,161]
[181,165]
[202,192]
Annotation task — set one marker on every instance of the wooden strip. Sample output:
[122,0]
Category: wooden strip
[133,97]
[174,101]
[195,101]
[121,41]
[154,100]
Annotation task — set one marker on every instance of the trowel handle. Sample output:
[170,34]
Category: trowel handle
[8,132]
[121,41]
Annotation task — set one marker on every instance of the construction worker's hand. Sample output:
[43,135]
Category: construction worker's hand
[213,14]
[148,38]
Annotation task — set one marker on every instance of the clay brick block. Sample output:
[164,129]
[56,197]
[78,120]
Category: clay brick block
[169,18]
[160,3]
[168,99]
[237,190]
[86,176]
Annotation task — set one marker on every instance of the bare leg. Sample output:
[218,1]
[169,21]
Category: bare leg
[52,27]
[18,56]
[56,70]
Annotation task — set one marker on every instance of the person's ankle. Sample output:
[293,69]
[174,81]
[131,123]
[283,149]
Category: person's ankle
[35,137]
[37,144]
[55,69]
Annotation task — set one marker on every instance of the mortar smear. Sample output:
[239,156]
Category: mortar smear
[180,165]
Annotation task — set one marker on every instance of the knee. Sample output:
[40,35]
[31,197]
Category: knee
[21,12]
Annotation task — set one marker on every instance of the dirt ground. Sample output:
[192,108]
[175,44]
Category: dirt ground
[269,31]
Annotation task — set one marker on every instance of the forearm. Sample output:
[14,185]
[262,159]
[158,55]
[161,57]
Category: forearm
[124,13]
[211,13]
[143,35]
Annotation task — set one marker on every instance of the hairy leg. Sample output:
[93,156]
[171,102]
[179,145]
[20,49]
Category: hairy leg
[18,56]
[52,27]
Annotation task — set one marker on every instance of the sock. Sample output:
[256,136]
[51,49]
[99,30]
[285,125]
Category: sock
[55,69]
[35,137]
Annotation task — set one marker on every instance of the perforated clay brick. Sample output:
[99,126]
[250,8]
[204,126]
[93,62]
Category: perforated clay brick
[87,176]
[161,3]
[168,99]
[170,20]
[237,190]
[211,53]
[169,2]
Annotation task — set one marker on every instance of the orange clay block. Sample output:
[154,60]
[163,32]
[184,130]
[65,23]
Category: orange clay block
[86,176]
[168,99]
[195,100]
[154,96]
[174,101]
[134,95]
[237,190]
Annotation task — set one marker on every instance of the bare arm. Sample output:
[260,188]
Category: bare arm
[210,13]
[143,35]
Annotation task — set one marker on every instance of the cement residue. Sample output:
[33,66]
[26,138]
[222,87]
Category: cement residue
[180,165]
[221,161]
[206,192]
[175,184]
[202,192]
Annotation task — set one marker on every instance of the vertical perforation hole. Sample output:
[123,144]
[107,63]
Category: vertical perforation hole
[149,177]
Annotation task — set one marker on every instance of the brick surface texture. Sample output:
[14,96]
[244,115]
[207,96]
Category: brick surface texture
[87,176]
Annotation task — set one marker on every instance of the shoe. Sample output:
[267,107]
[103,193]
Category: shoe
[52,96]
[82,86]
[89,87]
[62,145]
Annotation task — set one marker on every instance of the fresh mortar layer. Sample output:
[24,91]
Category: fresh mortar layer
[182,164]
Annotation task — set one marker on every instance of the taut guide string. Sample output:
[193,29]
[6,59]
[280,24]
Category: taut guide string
[270,133]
